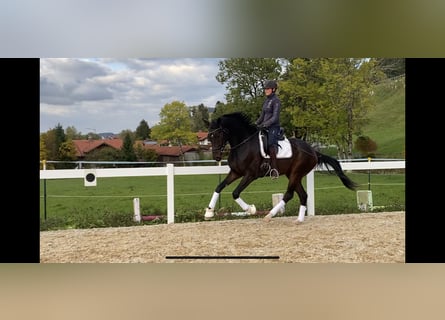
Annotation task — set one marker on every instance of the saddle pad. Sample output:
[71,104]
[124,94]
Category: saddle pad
[284,148]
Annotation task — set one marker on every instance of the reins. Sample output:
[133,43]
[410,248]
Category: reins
[244,141]
[236,146]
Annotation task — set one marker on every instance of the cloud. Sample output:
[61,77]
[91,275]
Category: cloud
[69,81]
[116,94]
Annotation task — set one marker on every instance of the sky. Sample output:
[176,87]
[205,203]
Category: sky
[111,95]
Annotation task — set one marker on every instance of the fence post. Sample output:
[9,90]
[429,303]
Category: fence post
[170,193]
[44,191]
[311,194]
[137,210]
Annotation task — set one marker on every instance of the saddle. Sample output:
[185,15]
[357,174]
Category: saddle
[284,147]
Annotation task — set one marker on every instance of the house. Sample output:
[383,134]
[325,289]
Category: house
[165,153]
[174,153]
[85,146]
[202,138]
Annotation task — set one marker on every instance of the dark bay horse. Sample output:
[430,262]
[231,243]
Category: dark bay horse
[247,161]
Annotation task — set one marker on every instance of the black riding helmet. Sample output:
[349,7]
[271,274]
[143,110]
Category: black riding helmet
[271,84]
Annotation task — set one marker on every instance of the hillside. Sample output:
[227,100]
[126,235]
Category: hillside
[387,119]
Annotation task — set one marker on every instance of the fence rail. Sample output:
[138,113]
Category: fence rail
[170,171]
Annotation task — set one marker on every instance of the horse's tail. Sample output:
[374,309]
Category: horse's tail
[335,164]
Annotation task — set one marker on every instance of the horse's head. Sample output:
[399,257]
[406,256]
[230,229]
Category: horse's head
[218,137]
[233,128]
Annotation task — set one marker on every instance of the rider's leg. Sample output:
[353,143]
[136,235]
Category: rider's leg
[274,174]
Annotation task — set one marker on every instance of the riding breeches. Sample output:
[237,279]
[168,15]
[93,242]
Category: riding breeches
[273,136]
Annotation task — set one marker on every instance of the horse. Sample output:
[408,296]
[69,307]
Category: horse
[248,161]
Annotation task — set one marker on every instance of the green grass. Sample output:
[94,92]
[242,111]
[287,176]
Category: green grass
[387,120]
[69,204]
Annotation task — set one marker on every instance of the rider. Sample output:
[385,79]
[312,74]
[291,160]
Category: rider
[270,120]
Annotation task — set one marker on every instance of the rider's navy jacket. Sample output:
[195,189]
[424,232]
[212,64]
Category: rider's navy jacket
[270,115]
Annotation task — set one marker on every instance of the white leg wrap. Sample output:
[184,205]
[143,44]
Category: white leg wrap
[251,210]
[278,207]
[301,213]
[242,204]
[214,199]
[210,209]
[209,214]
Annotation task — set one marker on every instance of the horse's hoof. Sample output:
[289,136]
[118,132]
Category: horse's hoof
[209,214]
[268,217]
[251,210]
[298,221]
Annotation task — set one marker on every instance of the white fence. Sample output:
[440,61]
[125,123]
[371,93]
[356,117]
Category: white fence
[170,171]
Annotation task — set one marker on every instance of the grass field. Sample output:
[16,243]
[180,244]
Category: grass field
[387,120]
[69,204]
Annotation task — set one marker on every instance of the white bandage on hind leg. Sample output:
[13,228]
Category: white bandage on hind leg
[278,207]
[242,204]
[214,199]
[301,213]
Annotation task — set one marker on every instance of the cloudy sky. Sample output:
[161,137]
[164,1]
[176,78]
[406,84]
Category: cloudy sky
[111,95]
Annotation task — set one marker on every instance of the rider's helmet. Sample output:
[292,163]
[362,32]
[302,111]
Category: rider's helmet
[271,84]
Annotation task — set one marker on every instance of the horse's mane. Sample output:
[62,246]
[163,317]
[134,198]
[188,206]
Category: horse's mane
[241,119]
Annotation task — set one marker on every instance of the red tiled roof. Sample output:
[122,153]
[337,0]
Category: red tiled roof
[202,135]
[170,151]
[85,146]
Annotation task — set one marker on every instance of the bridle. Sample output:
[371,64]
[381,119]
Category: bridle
[225,134]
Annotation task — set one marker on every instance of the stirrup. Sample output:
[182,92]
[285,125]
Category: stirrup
[274,174]
[266,166]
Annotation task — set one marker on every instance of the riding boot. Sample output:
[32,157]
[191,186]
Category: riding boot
[274,174]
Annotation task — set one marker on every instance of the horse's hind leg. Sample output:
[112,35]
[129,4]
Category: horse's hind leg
[302,194]
[296,186]
[280,205]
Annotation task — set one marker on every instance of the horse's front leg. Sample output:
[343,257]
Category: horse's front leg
[248,208]
[209,213]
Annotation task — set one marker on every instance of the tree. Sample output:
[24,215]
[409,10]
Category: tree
[366,146]
[52,139]
[104,153]
[43,151]
[223,108]
[175,125]
[330,97]
[67,152]
[245,79]
[199,115]
[60,135]
[391,67]
[145,154]
[71,133]
[143,131]
[128,153]
[126,132]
